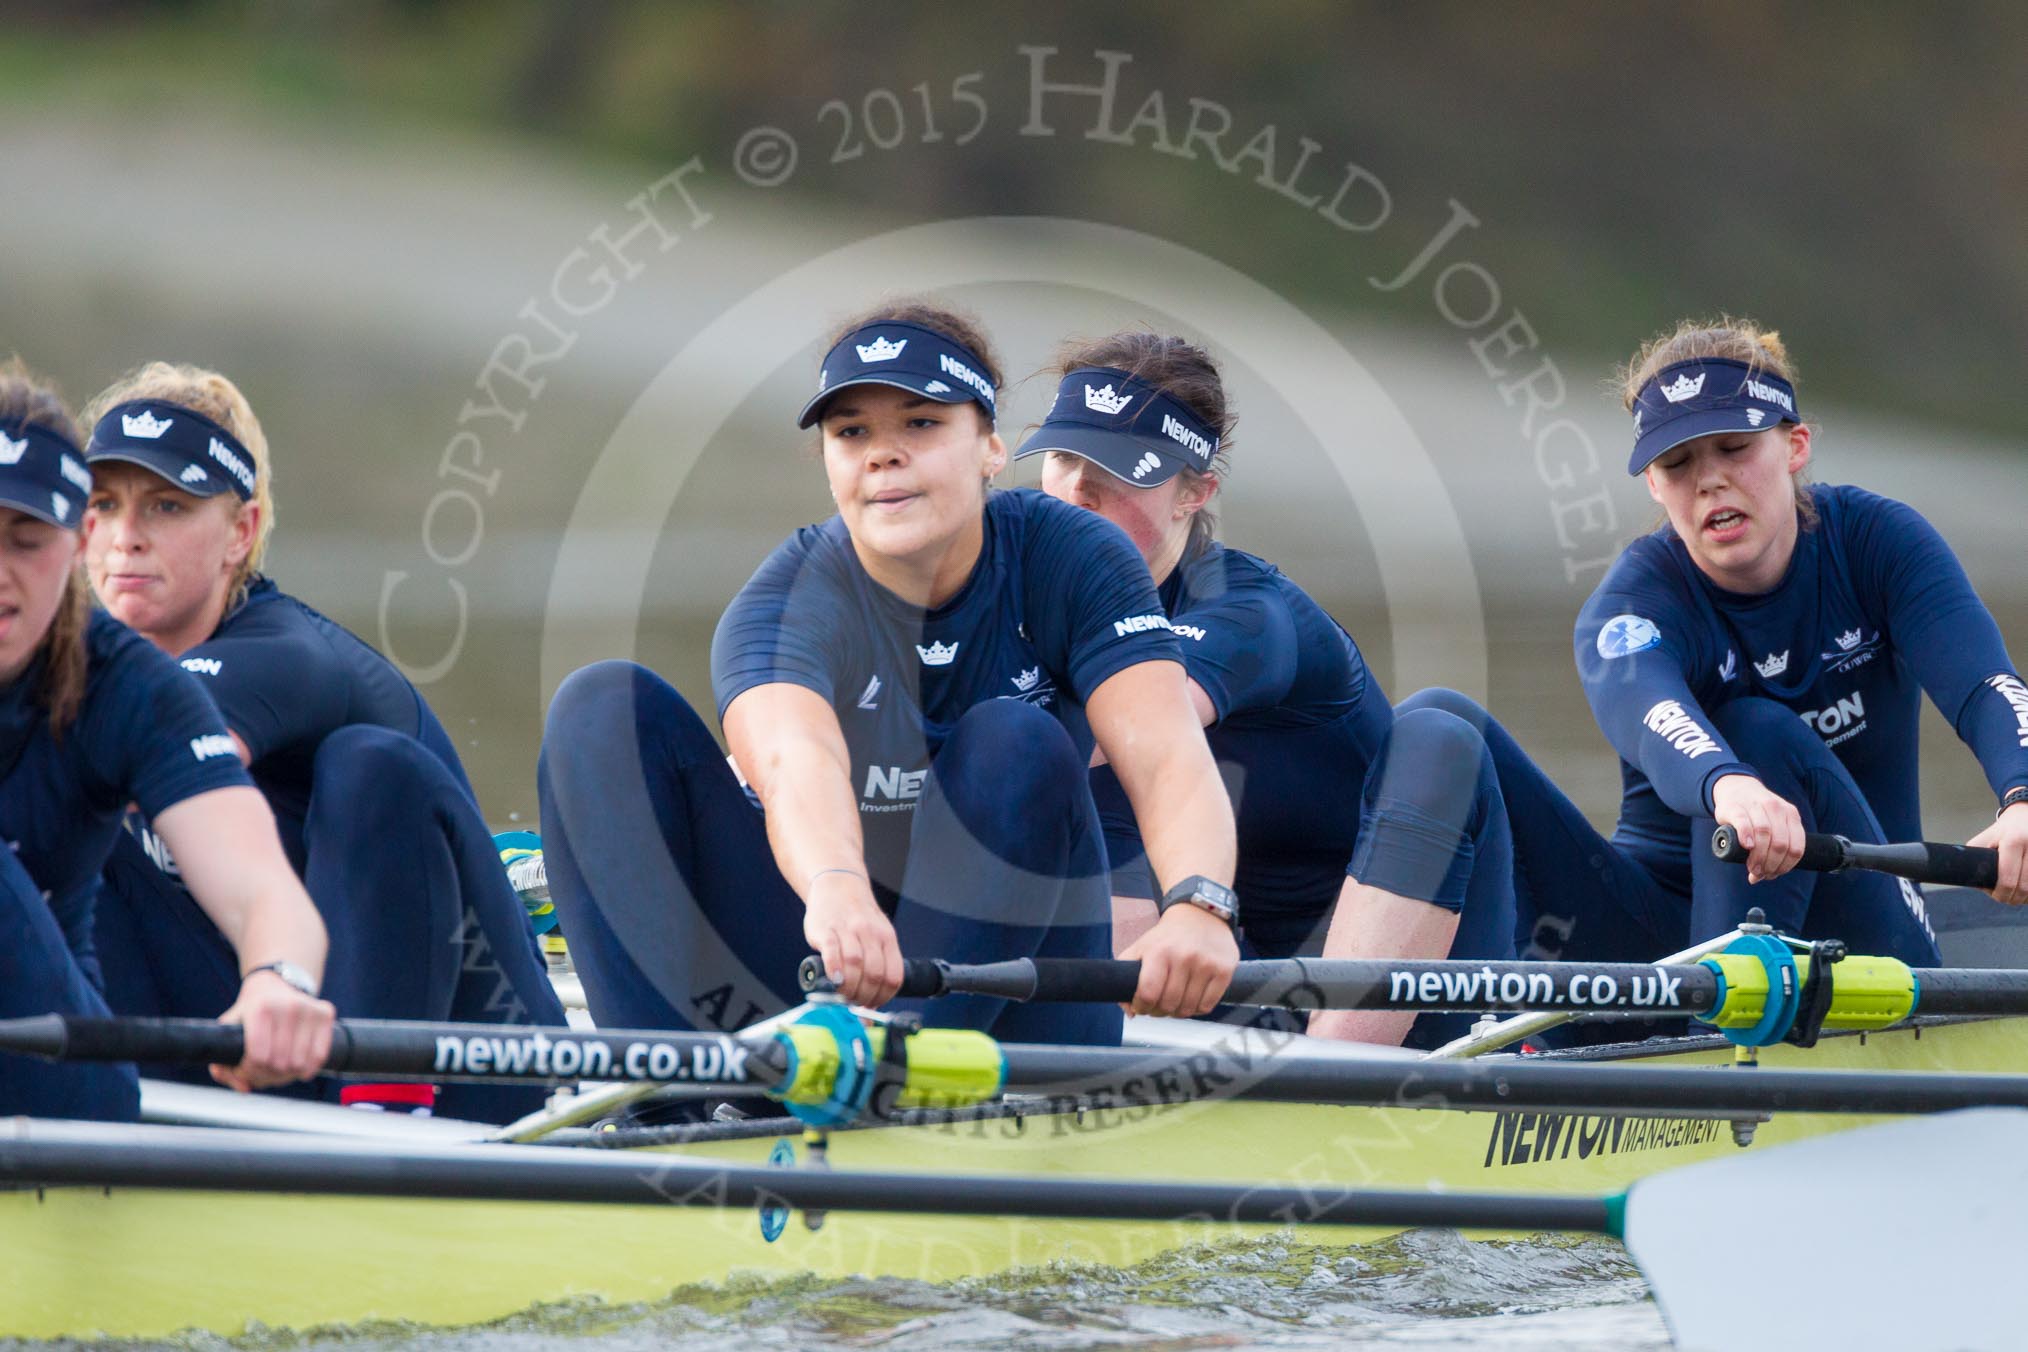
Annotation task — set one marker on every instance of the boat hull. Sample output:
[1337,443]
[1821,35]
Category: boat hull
[137,1262]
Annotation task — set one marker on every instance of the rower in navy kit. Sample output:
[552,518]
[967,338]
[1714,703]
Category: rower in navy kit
[91,718]
[906,688]
[1140,432]
[1761,660]
[372,803]
[1758,661]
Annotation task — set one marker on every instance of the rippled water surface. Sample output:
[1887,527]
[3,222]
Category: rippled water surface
[1430,1289]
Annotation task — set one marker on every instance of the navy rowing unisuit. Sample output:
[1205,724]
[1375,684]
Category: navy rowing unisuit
[145,734]
[1816,686]
[967,755]
[377,815]
[1324,780]
[1299,717]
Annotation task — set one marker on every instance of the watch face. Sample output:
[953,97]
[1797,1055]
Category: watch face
[1205,894]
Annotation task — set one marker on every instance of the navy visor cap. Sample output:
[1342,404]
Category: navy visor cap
[1125,426]
[907,357]
[184,447]
[1707,395]
[42,474]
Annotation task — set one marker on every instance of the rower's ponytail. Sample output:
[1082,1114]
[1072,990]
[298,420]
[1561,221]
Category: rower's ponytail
[27,401]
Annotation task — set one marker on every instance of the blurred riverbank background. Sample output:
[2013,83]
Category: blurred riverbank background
[526,295]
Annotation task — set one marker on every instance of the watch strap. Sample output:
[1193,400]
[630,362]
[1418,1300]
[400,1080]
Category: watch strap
[294,976]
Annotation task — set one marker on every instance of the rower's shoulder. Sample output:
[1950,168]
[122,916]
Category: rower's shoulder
[1029,514]
[124,670]
[1848,507]
[111,648]
[1653,566]
[285,636]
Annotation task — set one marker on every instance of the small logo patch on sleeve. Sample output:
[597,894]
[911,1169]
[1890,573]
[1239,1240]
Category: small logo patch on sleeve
[1625,635]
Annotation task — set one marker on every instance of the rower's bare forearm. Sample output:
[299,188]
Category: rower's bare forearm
[230,858]
[1188,824]
[812,819]
[1145,719]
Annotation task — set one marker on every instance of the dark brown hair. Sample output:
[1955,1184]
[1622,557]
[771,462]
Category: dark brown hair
[954,324]
[26,401]
[1183,371]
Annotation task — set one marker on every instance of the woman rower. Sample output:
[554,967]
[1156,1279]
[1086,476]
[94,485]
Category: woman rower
[373,805]
[899,687]
[92,718]
[1140,433]
[1759,661]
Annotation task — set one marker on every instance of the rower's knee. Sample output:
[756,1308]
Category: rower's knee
[1772,738]
[1452,702]
[1014,781]
[604,715]
[1433,763]
[1430,797]
[365,767]
[1012,751]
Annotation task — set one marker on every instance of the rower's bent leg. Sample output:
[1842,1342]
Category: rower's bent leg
[1007,860]
[1579,897]
[162,956]
[1432,874]
[38,975]
[1873,913]
[665,887]
[423,924]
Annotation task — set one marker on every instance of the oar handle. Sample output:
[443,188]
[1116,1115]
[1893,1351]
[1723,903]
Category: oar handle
[180,1041]
[1096,980]
[1920,861]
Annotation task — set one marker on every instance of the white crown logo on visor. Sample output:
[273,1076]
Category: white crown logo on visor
[879,349]
[1683,387]
[11,450]
[1105,400]
[145,425]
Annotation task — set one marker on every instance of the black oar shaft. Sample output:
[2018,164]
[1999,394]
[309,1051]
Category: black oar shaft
[66,1153]
[1245,1066]
[430,1051]
[1919,861]
[1306,984]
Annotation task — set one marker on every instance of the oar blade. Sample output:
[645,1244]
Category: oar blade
[1903,1236]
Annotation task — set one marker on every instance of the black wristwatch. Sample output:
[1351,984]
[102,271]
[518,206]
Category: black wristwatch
[1198,890]
[2015,795]
[289,973]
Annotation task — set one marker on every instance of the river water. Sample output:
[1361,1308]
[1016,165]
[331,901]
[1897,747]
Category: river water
[1425,1289]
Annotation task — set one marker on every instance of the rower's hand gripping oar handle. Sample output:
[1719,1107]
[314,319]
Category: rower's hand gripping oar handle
[1919,861]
